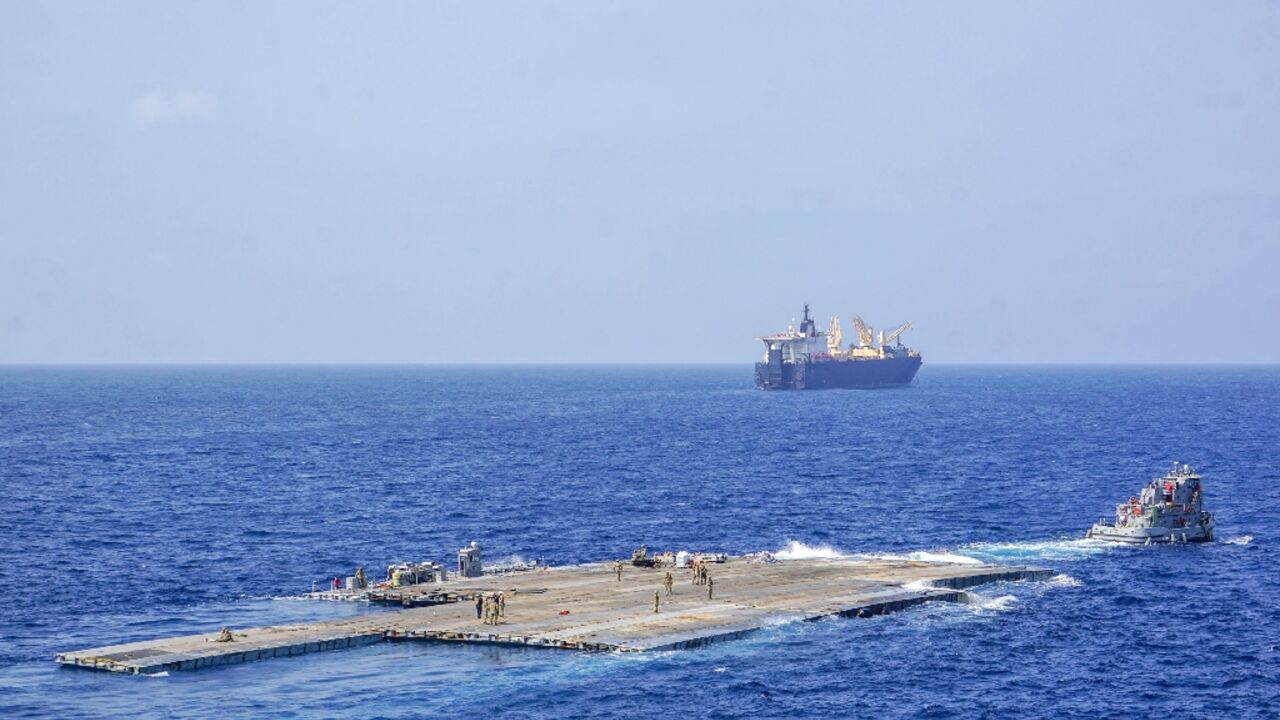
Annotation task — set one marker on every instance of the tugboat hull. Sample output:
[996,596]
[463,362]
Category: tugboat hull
[1150,536]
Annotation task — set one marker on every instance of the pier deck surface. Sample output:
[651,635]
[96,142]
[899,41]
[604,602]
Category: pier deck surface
[603,613]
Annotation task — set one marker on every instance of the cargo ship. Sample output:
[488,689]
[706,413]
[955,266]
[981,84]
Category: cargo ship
[806,359]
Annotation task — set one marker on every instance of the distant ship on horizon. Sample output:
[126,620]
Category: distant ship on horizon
[806,359]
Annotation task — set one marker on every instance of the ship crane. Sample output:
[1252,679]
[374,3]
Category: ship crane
[834,336]
[893,336]
[864,331]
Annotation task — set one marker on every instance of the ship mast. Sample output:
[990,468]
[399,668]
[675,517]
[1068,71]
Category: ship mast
[807,327]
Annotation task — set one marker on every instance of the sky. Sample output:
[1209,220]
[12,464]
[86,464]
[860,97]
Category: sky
[537,182]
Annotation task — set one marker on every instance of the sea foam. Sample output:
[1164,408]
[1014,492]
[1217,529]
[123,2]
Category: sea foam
[796,550]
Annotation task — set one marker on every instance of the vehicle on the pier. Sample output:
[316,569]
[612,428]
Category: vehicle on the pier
[640,557]
[1169,509]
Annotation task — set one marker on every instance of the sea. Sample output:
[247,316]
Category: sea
[147,501]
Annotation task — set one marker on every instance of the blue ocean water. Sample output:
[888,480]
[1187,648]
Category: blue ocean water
[147,501]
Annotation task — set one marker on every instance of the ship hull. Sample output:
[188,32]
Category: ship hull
[1149,536]
[832,374]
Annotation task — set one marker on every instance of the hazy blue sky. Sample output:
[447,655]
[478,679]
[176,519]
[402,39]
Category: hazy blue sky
[588,181]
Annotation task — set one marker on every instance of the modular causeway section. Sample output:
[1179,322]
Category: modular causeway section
[586,607]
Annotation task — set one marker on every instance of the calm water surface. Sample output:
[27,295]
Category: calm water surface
[148,501]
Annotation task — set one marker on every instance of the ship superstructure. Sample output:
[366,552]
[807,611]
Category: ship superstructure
[1168,509]
[806,359]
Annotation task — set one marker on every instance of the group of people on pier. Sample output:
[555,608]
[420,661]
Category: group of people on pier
[490,607]
[702,577]
[697,569]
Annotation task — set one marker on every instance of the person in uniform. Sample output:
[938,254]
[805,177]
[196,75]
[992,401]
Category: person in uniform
[617,569]
[667,582]
[360,580]
[479,605]
[656,599]
[502,605]
[225,635]
[710,583]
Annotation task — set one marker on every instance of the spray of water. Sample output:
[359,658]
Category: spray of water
[971,554]
[796,550]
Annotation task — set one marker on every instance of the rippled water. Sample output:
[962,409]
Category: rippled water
[149,501]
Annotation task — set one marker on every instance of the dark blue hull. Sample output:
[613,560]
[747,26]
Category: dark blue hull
[827,374]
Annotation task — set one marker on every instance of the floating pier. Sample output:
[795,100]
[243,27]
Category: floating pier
[586,607]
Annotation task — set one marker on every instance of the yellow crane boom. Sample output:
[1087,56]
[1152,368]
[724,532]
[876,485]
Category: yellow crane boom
[864,331]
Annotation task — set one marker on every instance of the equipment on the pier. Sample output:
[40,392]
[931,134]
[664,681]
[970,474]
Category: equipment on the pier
[407,573]
[514,566]
[469,561]
[640,557]
[1168,510]
[808,359]
[410,598]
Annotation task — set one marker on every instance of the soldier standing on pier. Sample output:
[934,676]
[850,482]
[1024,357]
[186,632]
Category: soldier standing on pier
[710,584]
[479,605]
[656,600]
[502,605]
[667,582]
[361,583]
[617,569]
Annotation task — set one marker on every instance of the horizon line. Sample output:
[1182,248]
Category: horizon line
[570,363]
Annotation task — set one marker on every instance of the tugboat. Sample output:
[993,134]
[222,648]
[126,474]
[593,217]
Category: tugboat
[1169,509]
